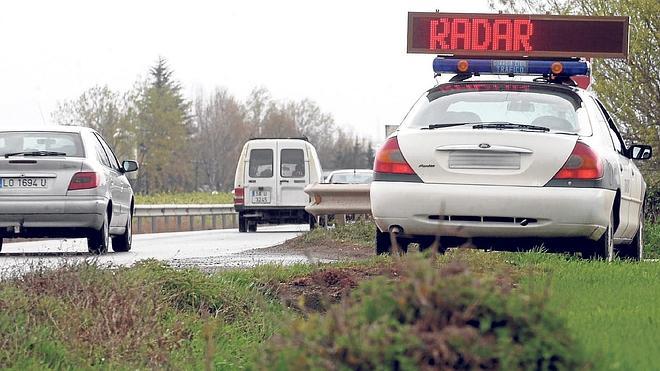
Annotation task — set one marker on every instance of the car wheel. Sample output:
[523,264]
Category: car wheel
[635,250]
[242,224]
[426,243]
[124,242]
[604,247]
[383,243]
[98,241]
[252,226]
[0,243]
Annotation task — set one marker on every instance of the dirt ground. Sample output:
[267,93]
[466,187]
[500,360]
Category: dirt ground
[321,250]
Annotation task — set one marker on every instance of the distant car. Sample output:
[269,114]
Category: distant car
[271,176]
[350,176]
[520,160]
[64,182]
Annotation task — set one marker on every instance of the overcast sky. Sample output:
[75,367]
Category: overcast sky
[348,56]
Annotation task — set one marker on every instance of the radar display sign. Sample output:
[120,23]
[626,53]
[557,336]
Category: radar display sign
[517,35]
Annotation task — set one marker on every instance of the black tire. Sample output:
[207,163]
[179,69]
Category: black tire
[428,242]
[603,249]
[635,250]
[313,222]
[98,240]
[0,243]
[242,224]
[383,243]
[124,242]
[252,226]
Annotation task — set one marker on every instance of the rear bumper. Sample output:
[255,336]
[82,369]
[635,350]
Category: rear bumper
[51,212]
[491,211]
[274,215]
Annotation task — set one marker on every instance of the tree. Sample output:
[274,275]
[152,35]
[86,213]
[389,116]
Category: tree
[163,125]
[221,131]
[105,111]
[630,90]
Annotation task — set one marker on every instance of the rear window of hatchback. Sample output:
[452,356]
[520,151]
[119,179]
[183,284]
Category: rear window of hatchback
[38,141]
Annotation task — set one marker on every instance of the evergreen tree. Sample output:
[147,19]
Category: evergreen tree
[163,124]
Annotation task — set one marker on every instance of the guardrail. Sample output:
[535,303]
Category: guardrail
[179,218]
[339,200]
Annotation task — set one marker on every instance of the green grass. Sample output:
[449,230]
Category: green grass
[360,232]
[185,198]
[612,309]
[152,316]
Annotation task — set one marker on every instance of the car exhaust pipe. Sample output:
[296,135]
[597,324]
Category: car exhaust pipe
[396,230]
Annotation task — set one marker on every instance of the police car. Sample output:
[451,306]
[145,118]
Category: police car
[508,149]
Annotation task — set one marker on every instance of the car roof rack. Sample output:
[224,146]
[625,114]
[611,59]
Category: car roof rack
[299,138]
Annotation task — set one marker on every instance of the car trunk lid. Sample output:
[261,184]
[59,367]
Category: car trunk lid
[463,155]
[43,176]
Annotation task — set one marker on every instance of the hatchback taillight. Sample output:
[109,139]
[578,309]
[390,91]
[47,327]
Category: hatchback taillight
[583,163]
[390,160]
[239,196]
[84,180]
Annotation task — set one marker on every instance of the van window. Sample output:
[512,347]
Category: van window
[261,163]
[293,163]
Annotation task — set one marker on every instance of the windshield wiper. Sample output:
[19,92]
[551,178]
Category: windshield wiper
[35,153]
[438,126]
[510,125]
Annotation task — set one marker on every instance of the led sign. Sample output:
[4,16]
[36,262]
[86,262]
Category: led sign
[509,36]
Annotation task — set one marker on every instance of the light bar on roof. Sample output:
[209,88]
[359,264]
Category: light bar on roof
[510,67]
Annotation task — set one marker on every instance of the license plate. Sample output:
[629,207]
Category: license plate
[260,197]
[23,183]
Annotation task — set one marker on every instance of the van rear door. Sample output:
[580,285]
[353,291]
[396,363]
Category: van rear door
[260,175]
[293,173]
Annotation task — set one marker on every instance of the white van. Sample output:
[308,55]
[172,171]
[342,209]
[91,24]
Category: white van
[270,178]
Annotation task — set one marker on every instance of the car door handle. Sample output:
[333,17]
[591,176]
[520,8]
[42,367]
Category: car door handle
[621,167]
[252,181]
[284,181]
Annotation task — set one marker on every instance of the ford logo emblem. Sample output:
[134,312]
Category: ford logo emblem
[484,145]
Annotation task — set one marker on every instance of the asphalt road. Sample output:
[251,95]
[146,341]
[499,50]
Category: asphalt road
[218,247]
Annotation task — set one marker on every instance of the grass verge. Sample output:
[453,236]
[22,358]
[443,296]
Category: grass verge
[153,316]
[185,198]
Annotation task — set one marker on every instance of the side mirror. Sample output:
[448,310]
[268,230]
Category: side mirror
[640,152]
[129,166]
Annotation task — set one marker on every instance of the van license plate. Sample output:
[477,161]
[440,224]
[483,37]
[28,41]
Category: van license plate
[260,197]
[23,183]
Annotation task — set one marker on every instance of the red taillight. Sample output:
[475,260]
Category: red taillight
[84,180]
[389,159]
[583,163]
[239,196]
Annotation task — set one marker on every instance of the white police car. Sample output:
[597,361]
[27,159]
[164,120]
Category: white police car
[493,159]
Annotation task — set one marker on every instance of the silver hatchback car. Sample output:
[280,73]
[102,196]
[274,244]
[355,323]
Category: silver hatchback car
[64,182]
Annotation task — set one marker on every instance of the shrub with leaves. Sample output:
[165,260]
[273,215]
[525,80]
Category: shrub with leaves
[429,319]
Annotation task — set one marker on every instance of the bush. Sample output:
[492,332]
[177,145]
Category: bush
[652,241]
[653,203]
[429,319]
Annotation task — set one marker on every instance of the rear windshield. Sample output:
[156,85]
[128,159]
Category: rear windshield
[261,163]
[23,141]
[351,178]
[293,163]
[495,104]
